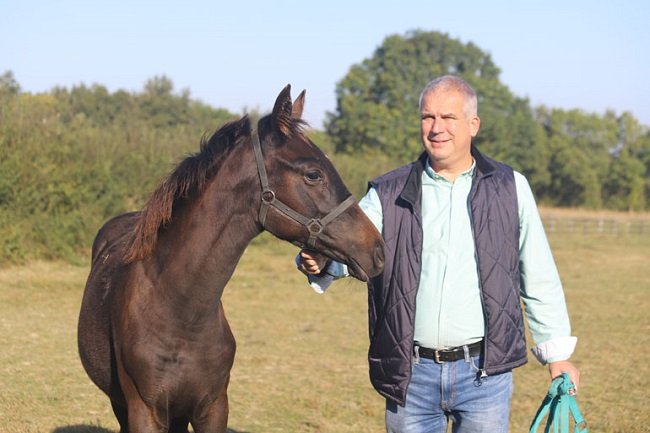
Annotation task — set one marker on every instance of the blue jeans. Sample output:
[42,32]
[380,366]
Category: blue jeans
[452,392]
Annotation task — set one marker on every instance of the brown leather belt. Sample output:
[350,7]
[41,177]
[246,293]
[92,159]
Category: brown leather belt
[451,354]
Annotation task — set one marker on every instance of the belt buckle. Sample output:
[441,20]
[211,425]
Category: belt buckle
[436,357]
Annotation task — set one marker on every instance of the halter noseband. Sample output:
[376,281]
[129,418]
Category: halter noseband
[315,226]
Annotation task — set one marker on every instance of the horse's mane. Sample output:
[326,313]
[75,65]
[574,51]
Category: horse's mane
[188,179]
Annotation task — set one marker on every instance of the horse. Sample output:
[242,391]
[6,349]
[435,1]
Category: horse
[152,334]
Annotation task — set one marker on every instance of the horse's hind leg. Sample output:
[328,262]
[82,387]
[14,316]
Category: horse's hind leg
[122,416]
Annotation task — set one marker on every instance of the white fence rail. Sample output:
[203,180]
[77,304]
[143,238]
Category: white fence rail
[592,226]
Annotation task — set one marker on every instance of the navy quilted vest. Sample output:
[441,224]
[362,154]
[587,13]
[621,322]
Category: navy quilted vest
[392,294]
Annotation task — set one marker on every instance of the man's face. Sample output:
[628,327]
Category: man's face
[445,129]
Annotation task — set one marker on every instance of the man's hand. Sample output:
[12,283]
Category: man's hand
[312,262]
[557,368]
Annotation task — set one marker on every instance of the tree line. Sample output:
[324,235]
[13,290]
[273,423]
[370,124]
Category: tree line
[71,158]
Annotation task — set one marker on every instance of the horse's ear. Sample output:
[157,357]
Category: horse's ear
[282,111]
[298,106]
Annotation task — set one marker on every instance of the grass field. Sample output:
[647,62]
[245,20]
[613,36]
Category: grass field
[301,359]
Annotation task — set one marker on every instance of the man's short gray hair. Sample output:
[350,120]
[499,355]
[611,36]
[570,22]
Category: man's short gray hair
[452,82]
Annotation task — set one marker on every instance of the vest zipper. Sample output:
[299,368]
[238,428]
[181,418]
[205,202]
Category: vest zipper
[480,285]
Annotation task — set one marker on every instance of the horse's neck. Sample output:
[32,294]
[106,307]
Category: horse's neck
[198,253]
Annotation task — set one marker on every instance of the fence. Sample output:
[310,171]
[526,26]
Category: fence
[595,226]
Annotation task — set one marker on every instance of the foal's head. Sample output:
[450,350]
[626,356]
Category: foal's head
[304,179]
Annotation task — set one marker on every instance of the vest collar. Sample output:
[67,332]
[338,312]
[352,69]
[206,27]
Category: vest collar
[484,166]
[413,187]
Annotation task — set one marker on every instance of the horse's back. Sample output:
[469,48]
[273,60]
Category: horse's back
[94,327]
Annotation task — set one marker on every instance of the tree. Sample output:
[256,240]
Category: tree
[8,84]
[71,158]
[624,187]
[635,139]
[582,146]
[644,157]
[510,133]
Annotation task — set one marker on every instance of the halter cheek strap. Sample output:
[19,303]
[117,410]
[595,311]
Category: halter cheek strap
[315,226]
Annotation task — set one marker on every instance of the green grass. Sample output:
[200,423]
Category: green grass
[301,357]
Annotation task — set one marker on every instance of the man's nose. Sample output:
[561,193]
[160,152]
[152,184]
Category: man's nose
[436,128]
[432,133]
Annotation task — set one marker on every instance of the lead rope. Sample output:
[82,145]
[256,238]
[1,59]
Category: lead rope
[558,403]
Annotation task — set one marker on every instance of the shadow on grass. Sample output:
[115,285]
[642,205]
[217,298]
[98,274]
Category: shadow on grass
[81,429]
[95,429]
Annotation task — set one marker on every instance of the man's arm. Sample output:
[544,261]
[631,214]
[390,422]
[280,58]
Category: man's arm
[541,290]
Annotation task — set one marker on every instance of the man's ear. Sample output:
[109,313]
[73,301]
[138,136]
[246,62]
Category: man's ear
[474,125]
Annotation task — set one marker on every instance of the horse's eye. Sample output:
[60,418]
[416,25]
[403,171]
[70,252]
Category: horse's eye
[313,176]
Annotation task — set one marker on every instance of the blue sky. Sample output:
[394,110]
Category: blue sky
[593,55]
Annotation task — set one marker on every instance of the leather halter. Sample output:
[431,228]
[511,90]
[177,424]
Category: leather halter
[315,226]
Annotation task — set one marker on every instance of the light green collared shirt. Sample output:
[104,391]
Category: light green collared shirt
[449,312]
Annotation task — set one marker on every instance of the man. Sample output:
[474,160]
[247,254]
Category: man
[464,244]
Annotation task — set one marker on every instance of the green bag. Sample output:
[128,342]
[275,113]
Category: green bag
[558,403]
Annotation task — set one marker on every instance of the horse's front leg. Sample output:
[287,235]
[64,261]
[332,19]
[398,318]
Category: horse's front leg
[145,419]
[215,417]
[141,417]
[122,416]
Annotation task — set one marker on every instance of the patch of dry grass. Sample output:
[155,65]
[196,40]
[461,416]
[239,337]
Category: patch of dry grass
[42,384]
[608,296]
[301,358]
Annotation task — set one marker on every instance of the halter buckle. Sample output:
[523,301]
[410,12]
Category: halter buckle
[315,226]
[268,196]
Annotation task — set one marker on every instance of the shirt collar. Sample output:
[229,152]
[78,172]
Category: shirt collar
[431,173]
